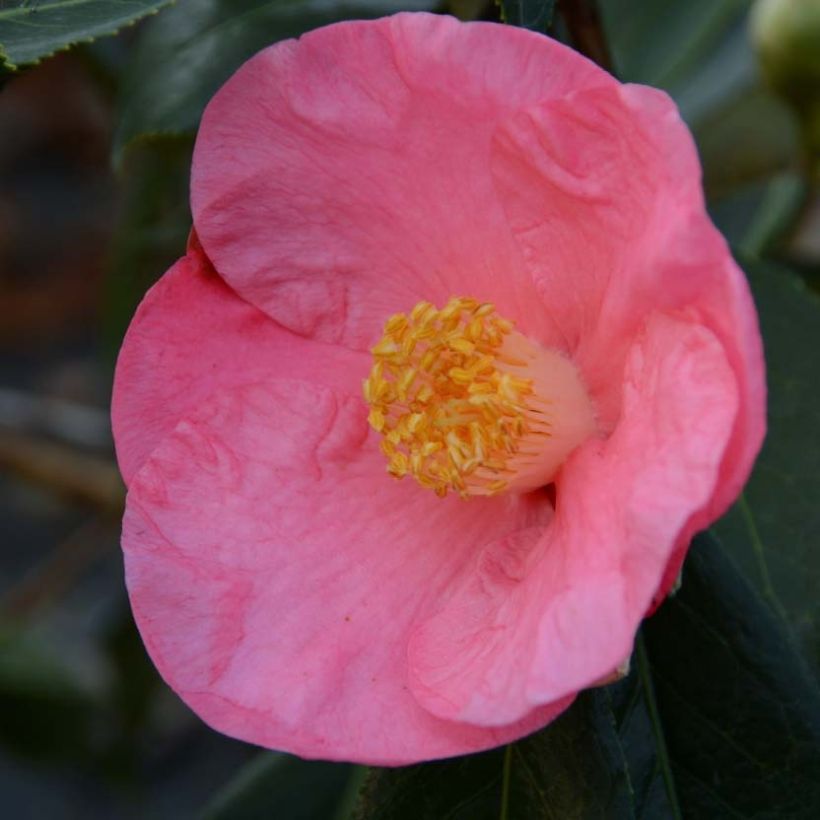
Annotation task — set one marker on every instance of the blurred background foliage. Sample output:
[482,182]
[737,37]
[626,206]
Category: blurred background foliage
[95,145]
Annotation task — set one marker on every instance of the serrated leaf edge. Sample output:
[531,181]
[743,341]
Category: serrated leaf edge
[6,62]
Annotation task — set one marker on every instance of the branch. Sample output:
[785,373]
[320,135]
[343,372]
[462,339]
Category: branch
[88,479]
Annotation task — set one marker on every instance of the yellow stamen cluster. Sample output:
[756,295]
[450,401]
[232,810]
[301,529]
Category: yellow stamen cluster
[449,398]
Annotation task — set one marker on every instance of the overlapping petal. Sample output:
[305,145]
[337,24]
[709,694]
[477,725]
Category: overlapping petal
[346,176]
[546,613]
[275,575]
[193,336]
[602,191]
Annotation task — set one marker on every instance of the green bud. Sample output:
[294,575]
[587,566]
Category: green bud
[786,34]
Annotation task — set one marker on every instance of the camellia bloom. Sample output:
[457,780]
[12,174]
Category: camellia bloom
[459,255]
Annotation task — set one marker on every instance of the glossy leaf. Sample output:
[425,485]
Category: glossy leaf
[700,52]
[774,530]
[720,718]
[186,54]
[758,215]
[739,707]
[32,30]
[662,43]
[535,15]
[154,222]
[598,760]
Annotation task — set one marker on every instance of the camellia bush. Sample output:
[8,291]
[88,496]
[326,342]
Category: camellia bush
[469,422]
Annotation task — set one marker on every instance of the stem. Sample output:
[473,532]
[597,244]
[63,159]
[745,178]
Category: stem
[645,677]
[505,783]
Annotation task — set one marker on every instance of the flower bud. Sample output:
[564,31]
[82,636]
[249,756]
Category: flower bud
[786,34]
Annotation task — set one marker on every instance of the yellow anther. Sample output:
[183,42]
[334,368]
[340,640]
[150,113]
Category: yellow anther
[424,394]
[426,332]
[420,312]
[398,465]
[460,376]
[396,324]
[430,447]
[376,419]
[385,347]
[475,388]
[450,412]
[428,360]
[408,345]
[415,422]
[486,364]
[451,310]
[406,380]
[461,345]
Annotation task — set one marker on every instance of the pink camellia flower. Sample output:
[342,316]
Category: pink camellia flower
[509,250]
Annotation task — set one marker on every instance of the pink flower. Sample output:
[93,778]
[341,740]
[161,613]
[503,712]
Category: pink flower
[291,591]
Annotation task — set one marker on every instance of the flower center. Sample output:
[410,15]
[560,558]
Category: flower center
[465,402]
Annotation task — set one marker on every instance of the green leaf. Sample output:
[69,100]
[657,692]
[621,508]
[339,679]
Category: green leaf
[186,54]
[153,224]
[720,718]
[284,787]
[700,52]
[32,30]
[662,43]
[774,530]
[601,759]
[739,708]
[757,216]
[535,15]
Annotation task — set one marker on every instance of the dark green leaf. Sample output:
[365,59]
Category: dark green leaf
[185,55]
[720,718]
[774,531]
[700,52]
[600,759]
[31,30]
[154,222]
[662,43]
[284,787]
[739,707]
[535,15]
[756,216]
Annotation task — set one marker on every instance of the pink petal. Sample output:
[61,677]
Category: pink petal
[192,336]
[602,191]
[346,176]
[276,572]
[537,617]
[278,576]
